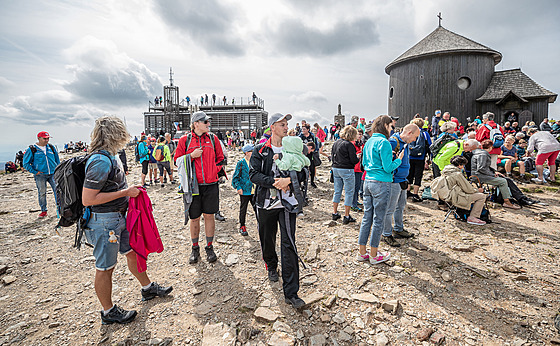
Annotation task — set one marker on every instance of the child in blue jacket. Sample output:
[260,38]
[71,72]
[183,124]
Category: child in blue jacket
[244,187]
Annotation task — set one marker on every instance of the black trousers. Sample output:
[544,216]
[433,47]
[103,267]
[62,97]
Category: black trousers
[416,171]
[312,171]
[245,199]
[268,227]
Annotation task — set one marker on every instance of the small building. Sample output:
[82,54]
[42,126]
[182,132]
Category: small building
[174,113]
[450,72]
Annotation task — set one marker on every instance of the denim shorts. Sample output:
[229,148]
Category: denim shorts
[106,247]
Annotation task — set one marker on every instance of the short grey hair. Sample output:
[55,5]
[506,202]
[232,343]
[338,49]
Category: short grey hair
[472,143]
[488,116]
[519,135]
[448,125]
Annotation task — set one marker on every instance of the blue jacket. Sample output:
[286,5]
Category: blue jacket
[240,179]
[39,162]
[143,151]
[377,159]
[402,171]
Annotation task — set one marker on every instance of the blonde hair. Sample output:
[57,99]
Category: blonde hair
[510,137]
[349,133]
[109,133]
[418,122]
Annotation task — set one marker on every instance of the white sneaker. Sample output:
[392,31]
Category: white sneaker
[381,257]
[363,258]
[537,181]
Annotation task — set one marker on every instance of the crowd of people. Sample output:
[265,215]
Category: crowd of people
[378,166]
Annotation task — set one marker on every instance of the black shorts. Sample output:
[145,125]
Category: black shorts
[164,165]
[207,201]
[145,167]
[416,171]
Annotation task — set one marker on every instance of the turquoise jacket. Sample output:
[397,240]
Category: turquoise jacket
[377,159]
[143,151]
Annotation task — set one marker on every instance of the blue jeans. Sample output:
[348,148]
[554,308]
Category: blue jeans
[343,177]
[395,209]
[100,228]
[376,194]
[358,182]
[41,182]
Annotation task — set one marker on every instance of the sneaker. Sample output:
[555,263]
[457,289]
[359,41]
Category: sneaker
[363,258]
[243,230]
[357,209]
[391,241]
[409,194]
[165,180]
[118,315]
[172,181]
[314,186]
[152,182]
[218,216]
[475,221]
[380,258]
[195,255]
[43,214]
[416,198]
[210,254]
[155,290]
[296,302]
[273,275]
[537,181]
[274,202]
[403,234]
[162,185]
[348,219]
[145,186]
[360,204]
[336,216]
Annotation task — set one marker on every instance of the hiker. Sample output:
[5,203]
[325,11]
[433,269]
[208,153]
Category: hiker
[491,130]
[105,190]
[397,195]
[460,192]
[245,189]
[419,155]
[508,158]
[548,148]
[480,167]
[449,150]
[306,136]
[172,145]
[265,175]
[435,124]
[144,154]
[377,159]
[41,159]
[344,159]
[19,159]
[10,167]
[207,154]
[152,163]
[163,157]
[358,173]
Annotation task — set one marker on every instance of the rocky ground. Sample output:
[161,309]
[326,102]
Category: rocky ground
[454,284]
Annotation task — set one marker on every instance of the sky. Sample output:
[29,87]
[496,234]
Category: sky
[65,63]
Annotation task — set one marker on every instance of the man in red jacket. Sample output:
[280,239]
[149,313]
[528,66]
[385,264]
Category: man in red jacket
[483,133]
[206,152]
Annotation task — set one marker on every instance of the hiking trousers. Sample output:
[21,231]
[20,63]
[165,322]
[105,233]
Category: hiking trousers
[269,220]
[245,200]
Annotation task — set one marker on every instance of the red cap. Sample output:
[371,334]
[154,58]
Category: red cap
[43,134]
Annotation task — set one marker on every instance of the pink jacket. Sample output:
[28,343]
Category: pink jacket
[140,223]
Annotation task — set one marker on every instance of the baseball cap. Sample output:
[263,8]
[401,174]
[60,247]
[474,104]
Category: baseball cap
[199,116]
[276,117]
[248,147]
[394,117]
[362,119]
[438,112]
[43,134]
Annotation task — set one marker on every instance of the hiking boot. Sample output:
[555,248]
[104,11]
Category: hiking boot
[380,258]
[391,241]
[348,219]
[210,254]
[336,216]
[195,255]
[357,209]
[243,231]
[296,302]
[416,198]
[155,290]
[165,180]
[162,185]
[409,194]
[403,235]
[42,215]
[118,315]
[273,275]
[172,181]
[314,186]
[218,216]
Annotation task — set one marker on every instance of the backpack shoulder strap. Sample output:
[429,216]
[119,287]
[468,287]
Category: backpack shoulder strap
[398,142]
[106,155]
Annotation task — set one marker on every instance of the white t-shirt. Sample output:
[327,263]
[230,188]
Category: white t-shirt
[287,196]
[44,149]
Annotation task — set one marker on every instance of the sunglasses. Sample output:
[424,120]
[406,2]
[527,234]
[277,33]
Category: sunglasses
[205,121]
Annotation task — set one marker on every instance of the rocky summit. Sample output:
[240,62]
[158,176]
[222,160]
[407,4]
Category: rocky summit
[452,284]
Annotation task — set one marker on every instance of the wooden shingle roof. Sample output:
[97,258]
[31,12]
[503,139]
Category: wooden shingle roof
[516,82]
[443,41]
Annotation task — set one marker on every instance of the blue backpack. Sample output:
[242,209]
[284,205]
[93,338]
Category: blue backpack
[496,136]
[418,148]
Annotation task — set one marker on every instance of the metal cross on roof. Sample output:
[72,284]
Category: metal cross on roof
[440,18]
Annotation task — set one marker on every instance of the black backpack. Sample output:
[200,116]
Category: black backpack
[69,176]
[463,214]
[136,153]
[34,150]
[440,142]
[417,148]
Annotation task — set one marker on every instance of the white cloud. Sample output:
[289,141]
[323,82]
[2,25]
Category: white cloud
[309,96]
[311,116]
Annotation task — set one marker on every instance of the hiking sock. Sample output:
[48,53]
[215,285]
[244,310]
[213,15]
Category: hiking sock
[194,241]
[209,241]
[147,286]
[105,312]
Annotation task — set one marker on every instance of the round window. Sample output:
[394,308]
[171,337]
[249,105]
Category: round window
[391,91]
[464,83]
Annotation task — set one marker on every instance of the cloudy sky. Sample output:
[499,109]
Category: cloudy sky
[64,63]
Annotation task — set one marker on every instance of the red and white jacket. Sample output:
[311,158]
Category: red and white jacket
[205,166]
